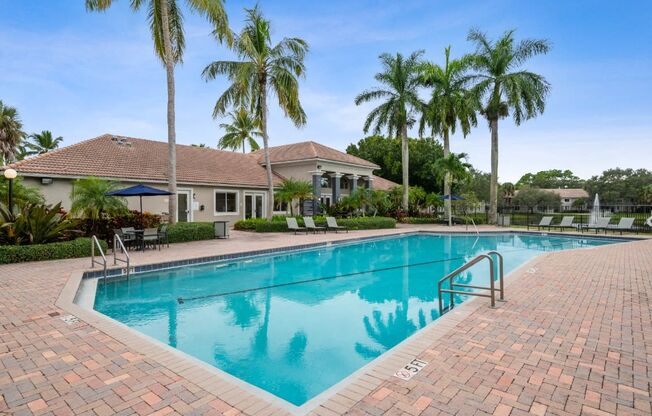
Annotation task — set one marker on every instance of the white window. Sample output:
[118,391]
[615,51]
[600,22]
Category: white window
[226,202]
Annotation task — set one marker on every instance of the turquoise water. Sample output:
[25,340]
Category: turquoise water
[295,324]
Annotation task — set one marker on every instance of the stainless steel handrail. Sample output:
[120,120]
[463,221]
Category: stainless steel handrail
[117,243]
[492,289]
[95,242]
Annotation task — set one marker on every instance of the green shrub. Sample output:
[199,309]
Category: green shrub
[80,247]
[182,232]
[420,220]
[250,224]
[272,227]
[367,223]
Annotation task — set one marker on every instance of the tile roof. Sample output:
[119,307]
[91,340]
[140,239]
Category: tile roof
[146,160]
[569,192]
[311,150]
[383,184]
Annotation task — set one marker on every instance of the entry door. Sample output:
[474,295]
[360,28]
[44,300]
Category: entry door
[183,206]
[254,205]
[325,201]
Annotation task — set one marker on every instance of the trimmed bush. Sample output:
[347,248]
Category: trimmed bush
[367,223]
[182,232]
[277,226]
[80,247]
[251,223]
[421,220]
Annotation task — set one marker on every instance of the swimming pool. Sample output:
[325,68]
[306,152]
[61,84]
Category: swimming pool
[298,322]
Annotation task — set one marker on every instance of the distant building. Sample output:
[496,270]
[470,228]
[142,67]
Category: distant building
[568,196]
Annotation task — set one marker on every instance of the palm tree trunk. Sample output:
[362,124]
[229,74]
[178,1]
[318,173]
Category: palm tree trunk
[405,150]
[268,165]
[172,136]
[493,187]
[447,181]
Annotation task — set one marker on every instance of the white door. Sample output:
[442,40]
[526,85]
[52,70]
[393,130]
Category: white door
[254,205]
[184,204]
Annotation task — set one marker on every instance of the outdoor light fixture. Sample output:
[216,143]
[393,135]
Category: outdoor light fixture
[11,175]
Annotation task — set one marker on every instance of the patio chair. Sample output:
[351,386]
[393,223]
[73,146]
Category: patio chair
[163,235]
[294,226]
[545,222]
[331,224]
[150,237]
[566,222]
[310,225]
[625,224]
[127,239]
[601,224]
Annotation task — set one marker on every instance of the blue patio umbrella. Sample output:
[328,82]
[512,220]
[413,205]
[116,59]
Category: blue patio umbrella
[139,190]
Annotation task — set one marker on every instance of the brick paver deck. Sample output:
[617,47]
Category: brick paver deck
[575,337]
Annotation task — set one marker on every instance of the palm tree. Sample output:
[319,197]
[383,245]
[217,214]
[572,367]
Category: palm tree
[456,169]
[293,189]
[262,68]
[242,129]
[400,82]
[505,88]
[451,103]
[166,24]
[11,133]
[42,142]
[90,200]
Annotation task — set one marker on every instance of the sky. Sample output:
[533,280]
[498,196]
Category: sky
[82,74]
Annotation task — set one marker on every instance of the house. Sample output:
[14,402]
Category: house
[212,184]
[568,196]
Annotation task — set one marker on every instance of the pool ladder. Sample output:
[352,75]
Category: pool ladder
[117,243]
[489,256]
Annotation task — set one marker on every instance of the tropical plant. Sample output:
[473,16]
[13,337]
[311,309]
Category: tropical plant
[451,104]
[166,25]
[400,83]
[505,89]
[11,133]
[90,200]
[43,142]
[33,224]
[242,129]
[455,169]
[263,68]
[21,194]
[294,189]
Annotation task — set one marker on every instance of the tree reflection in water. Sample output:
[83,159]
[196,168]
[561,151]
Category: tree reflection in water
[386,333]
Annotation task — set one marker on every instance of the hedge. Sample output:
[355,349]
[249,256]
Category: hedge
[421,220]
[275,226]
[182,232]
[80,247]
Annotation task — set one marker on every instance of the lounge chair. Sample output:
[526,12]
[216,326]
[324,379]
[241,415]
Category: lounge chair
[566,222]
[331,224]
[545,222]
[163,235]
[310,225]
[294,226]
[625,224]
[601,224]
[127,239]
[150,236]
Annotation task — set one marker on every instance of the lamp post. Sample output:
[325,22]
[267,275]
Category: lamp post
[11,175]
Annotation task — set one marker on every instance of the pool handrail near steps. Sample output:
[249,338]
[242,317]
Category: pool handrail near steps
[492,289]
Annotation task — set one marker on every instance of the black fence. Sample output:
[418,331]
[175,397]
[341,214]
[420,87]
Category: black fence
[531,217]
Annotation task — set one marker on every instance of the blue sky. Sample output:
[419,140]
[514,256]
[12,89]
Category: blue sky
[82,74]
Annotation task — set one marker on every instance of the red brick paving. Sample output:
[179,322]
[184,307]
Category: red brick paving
[574,338]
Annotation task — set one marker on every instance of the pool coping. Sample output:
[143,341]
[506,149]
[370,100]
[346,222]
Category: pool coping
[254,400]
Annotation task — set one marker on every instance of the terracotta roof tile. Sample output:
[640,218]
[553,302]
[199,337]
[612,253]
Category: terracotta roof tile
[383,184]
[146,160]
[311,150]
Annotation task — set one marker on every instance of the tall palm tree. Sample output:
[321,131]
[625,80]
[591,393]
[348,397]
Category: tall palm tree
[400,82]
[166,24]
[11,133]
[42,142]
[451,103]
[262,68]
[242,129]
[505,89]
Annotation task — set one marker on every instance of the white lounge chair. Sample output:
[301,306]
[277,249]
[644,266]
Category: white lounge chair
[294,226]
[600,224]
[310,225]
[625,224]
[331,224]
[545,222]
[566,222]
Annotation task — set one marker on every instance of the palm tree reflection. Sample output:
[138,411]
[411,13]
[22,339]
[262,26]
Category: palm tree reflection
[387,333]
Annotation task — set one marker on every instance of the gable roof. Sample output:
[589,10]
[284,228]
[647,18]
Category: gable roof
[311,151]
[135,159]
[383,184]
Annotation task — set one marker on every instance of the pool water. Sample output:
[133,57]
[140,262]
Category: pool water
[296,323]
